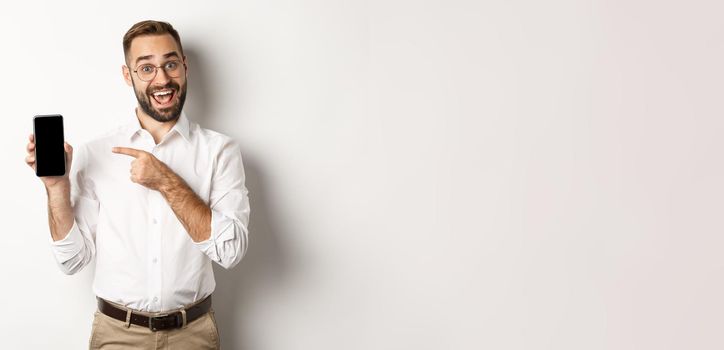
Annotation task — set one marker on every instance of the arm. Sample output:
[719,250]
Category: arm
[190,210]
[152,173]
[229,202]
[71,238]
[218,229]
[60,212]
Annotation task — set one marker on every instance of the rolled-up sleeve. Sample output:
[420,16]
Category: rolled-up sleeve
[77,248]
[229,203]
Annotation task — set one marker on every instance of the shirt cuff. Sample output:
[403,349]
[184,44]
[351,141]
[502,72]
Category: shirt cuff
[69,246]
[222,230]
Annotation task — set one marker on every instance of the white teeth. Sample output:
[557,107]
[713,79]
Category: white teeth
[161,93]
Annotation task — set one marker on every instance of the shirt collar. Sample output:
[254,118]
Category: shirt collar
[182,127]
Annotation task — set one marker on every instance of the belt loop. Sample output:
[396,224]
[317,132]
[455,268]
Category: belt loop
[128,318]
[183,315]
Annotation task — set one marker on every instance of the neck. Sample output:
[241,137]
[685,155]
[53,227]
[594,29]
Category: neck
[157,129]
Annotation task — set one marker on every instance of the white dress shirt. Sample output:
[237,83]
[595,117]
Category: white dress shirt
[145,259]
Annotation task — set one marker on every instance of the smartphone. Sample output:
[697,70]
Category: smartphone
[49,145]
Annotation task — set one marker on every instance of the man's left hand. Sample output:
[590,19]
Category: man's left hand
[146,169]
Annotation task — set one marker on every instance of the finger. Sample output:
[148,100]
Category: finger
[31,146]
[31,138]
[30,161]
[69,155]
[135,153]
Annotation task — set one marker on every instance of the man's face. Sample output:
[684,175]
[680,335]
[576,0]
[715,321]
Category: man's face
[163,96]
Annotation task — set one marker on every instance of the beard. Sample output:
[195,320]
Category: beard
[162,115]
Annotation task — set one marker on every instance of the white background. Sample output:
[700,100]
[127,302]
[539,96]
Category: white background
[423,174]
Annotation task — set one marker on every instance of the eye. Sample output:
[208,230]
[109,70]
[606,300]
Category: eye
[172,65]
[147,68]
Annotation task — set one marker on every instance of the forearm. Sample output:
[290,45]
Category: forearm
[60,211]
[191,211]
[72,228]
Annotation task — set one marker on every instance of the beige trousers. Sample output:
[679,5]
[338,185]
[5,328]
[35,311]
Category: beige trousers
[111,334]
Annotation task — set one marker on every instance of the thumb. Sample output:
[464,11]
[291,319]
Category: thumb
[68,156]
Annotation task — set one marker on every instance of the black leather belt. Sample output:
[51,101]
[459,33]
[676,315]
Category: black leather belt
[156,322]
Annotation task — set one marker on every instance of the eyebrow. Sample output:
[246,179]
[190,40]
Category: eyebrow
[148,57]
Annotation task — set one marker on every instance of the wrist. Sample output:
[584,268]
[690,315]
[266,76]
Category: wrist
[60,187]
[59,194]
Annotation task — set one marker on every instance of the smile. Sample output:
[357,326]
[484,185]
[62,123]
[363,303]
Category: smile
[164,97]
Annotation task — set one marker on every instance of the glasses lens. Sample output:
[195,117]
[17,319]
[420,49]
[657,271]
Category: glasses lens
[172,68]
[146,72]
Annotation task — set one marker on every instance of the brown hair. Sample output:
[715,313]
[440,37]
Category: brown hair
[149,28]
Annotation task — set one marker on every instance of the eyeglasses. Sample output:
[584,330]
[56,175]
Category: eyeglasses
[147,72]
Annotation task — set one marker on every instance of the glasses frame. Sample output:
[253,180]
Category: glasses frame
[156,68]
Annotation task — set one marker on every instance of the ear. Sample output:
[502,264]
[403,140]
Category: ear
[126,75]
[186,67]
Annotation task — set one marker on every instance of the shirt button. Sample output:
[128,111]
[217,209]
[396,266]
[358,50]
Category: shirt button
[155,299]
[154,260]
[154,221]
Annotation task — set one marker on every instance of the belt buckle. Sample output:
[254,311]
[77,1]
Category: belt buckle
[151,325]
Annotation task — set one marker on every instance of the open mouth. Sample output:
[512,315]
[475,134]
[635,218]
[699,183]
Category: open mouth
[164,97]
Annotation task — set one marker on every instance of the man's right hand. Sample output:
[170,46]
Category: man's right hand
[50,181]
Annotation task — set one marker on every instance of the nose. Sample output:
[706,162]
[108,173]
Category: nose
[161,77]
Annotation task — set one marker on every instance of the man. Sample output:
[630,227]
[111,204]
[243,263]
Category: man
[155,202]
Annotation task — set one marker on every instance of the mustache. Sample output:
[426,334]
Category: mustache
[170,85]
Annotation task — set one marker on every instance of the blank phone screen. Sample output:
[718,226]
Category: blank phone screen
[49,150]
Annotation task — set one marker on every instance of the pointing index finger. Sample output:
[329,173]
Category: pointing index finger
[135,153]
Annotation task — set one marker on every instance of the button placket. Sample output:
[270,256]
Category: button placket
[154,251]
